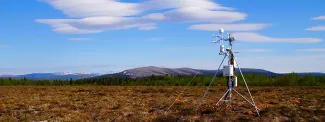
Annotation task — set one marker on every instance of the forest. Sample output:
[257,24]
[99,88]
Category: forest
[291,79]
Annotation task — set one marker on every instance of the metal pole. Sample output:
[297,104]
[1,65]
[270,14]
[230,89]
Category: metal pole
[231,62]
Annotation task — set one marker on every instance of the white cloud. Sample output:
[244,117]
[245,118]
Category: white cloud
[255,50]
[55,21]
[228,27]
[80,39]
[254,37]
[65,26]
[91,8]
[97,24]
[313,50]
[319,18]
[316,28]
[68,29]
[167,4]
[147,22]
[100,15]
[155,16]
[101,20]
[197,14]
[150,26]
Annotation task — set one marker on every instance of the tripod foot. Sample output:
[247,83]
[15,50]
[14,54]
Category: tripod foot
[218,105]
[229,107]
[254,110]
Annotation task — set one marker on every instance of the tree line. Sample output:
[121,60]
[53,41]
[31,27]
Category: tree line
[291,79]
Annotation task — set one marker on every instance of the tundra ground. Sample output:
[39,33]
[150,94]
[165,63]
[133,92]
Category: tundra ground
[149,103]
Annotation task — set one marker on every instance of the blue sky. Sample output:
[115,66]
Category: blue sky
[113,35]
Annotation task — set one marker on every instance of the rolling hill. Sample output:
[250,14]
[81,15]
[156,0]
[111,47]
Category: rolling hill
[147,71]
[152,70]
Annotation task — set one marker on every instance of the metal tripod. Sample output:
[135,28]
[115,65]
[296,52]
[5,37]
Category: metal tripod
[229,72]
[231,88]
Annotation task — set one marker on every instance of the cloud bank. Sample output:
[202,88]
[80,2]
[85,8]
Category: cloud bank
[95,16]
[115,15]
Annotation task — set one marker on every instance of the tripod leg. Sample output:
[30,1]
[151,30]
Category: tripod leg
[246,85]
[230,91]
[222,97]
[198,107]
[226,95]
[243,97]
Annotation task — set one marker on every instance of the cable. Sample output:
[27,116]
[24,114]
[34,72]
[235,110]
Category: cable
[211,83]
[183,91]
[274,81]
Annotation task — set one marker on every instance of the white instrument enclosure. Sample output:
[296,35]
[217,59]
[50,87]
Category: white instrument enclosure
[228,70]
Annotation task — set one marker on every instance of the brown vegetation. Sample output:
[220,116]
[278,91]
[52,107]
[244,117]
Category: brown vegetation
[147,103]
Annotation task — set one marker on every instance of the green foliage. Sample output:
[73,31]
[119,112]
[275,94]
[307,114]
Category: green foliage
[291,79]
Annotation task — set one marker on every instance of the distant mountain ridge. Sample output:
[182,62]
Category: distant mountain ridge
[147,71]
[52,76]
[152,70]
